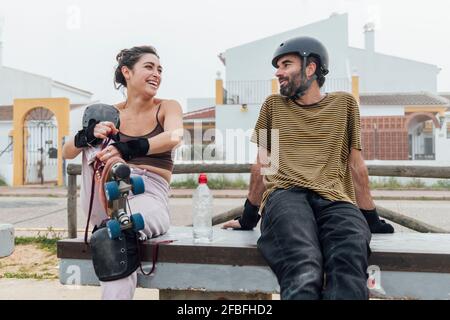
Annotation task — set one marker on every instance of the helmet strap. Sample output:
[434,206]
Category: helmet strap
[305,83]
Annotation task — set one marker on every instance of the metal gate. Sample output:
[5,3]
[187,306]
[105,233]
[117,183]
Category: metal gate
[40,147]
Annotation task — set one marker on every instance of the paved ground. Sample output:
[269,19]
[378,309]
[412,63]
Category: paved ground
[31,214]
[35,214]
[27,289]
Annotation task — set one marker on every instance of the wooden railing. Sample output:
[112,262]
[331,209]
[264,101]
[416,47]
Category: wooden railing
[374,170]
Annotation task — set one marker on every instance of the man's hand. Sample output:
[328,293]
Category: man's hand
[376,224]
[247,221]
[234,224]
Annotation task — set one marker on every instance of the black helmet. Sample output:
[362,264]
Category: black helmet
[305,47]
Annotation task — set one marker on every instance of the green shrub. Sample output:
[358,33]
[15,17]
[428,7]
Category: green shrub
[390,183]
[441,184]
[45,243]
[416,183]
[218,183]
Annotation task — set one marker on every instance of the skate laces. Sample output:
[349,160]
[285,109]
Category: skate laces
[98,167]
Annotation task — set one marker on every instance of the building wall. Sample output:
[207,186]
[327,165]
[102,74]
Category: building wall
[6,164]
[390,139]
[74,96]
[384,138]
[252,61]
[383,73]
[378,72]
[442,145]
[194,104]
[371,111]
[233,129]
[18,84]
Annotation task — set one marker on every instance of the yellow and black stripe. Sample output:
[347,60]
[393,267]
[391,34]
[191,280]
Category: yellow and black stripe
[314,144]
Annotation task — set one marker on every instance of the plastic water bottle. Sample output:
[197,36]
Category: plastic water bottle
[202,211]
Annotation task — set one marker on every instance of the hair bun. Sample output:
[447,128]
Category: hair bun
[120,55]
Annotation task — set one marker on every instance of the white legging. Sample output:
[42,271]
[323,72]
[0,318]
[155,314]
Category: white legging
[153,205]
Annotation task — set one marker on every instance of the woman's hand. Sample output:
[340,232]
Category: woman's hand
[108,153]
[103,129]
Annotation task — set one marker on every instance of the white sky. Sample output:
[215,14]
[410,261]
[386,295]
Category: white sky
[48,37]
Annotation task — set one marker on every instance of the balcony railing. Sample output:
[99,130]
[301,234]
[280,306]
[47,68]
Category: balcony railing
[256,91]
[197,152]
[424,156]
[337,84]
[247,92]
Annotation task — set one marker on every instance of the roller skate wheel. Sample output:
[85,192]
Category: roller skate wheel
[112,191]
[113,227]
[138,222]
[137,185]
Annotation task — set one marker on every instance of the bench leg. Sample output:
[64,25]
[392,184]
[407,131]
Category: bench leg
[208,295]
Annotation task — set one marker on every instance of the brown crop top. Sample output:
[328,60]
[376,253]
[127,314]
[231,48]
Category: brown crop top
[161,160]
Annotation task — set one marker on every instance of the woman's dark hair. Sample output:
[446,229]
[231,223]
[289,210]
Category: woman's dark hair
[128,58]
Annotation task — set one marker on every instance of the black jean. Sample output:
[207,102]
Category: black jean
[318,249]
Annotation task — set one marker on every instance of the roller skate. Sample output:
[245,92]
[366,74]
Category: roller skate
[117,183]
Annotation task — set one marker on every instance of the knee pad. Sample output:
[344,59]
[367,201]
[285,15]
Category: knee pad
[114,259]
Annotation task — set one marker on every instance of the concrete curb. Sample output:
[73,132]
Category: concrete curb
[6,240]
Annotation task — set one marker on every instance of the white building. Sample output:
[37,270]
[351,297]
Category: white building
[18,84]
[377,72]
[403,88]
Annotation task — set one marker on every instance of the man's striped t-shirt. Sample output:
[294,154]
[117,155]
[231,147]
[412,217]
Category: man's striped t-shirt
[310,144]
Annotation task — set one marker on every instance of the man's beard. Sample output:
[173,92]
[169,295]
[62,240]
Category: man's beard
[289,89]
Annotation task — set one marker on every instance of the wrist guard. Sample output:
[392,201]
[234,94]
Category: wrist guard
[85,138]
[133,148]
[250,216]
[376,225]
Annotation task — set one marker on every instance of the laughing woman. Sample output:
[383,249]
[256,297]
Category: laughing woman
[150,129]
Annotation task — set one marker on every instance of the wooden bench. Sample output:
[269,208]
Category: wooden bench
[413,265]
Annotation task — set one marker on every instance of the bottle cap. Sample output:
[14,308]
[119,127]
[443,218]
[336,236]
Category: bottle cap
[202,179]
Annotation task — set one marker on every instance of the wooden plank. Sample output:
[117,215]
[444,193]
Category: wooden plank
[73,169]
[410,171]
[72,206]
[397,252]
[374,170]
[411,262]
[175,253]
[408,222]
[165,294]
